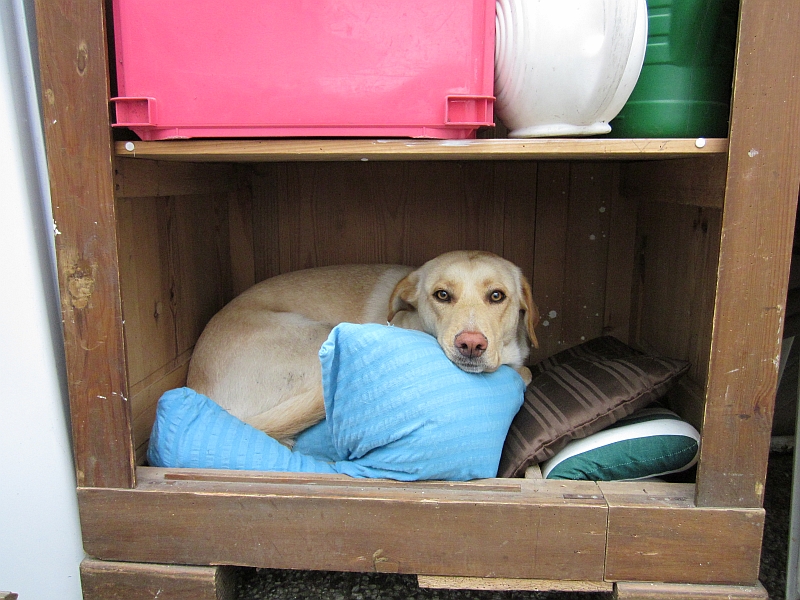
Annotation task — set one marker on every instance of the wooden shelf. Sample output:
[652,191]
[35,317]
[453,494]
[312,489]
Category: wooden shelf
[278,150]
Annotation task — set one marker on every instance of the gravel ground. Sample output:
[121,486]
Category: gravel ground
[270,584]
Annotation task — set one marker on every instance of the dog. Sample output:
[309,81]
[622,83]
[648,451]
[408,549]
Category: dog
[258,357]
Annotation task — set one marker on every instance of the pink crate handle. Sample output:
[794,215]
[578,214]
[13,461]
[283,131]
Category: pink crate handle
[469,110]
[135,112]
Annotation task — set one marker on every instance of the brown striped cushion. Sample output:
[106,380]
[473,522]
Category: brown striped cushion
[580,391]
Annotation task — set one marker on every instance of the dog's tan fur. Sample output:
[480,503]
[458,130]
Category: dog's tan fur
[258,357]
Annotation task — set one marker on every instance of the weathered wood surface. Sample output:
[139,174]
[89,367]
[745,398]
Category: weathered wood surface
[409,149]
[676,261]
[74,84]
[175,271]
[632,590]
[697,181]
[757,230]
[506,585]
[102,580]
[656,533]
[538,530]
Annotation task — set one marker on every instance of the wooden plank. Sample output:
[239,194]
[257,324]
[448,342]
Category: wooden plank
[655,532]
[687,398]
[410,149]
[353,213]
[199,263]
[757,230]
[241,235]
[442,211]
[550,249]
[102,580]
[621,263]
[175,274]
[330,479]
[544,530]
[484,206]
[157,179]
[676,273]
[145,401]
[147,287]
[586,256]
[631,590]
[515,189]
[74,82]
[507,585]
[404,213]
[269,186]
[698,181]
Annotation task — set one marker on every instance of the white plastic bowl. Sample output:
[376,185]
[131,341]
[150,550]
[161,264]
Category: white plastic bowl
[566,67]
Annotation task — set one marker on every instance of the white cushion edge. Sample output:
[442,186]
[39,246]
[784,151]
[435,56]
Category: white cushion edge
[606,437]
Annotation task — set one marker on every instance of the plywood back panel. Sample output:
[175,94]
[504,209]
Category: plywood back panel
[678,249]
[175,271]
[361,212]
[553,219]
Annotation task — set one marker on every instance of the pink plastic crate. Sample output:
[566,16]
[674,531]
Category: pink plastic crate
[255,68]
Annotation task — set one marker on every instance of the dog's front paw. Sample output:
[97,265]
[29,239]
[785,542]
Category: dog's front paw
[525,373]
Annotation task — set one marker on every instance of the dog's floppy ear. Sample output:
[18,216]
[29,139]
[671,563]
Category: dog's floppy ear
[404,296]
[531,316]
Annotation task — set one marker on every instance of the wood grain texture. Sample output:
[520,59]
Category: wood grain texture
[550,248]
[586,257]
[102,580]
[698,181]
[507,585]
[676,263]
[656,533]
[757,229]
[621,263]
[145,401]
[537,532]
[74,83]
[158,179]
[631,590]
[410,149]
[175,271]
[562,223]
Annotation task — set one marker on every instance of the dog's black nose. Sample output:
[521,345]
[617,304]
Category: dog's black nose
[471,344]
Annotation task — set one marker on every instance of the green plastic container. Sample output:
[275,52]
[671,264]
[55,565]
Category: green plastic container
[684,89]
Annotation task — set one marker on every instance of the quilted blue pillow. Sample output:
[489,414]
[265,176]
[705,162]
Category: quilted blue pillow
[396,408]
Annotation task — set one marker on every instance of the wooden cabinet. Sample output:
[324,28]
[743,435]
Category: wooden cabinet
[674,245]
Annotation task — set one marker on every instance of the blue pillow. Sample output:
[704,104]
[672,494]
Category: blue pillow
[396,407]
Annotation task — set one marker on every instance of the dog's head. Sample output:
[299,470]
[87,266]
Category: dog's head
[478,306]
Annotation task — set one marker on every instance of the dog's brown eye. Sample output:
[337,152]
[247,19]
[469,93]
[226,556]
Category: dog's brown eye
[442,295]
[497,296]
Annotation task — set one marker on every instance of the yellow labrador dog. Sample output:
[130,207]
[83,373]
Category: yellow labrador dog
[258,357]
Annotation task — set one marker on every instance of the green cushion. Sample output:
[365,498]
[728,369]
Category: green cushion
[649,443]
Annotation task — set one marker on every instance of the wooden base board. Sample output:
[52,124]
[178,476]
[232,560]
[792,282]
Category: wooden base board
[102,580]
[507,584]
[656,531]
[632,590]
[525,528]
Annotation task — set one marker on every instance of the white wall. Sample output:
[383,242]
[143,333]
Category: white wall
[40,547]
